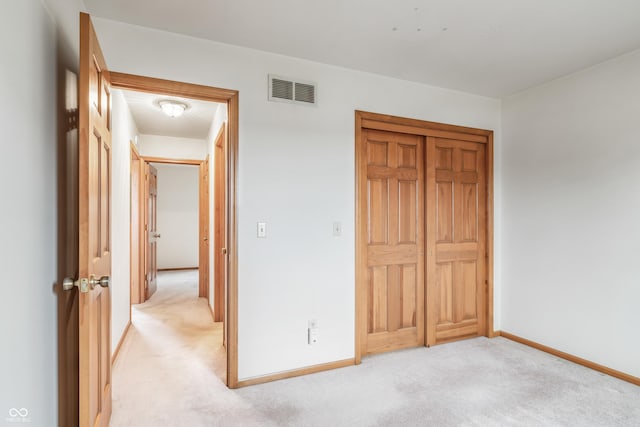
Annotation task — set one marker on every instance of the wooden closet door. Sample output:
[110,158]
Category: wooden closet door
[456,239]
[395,240]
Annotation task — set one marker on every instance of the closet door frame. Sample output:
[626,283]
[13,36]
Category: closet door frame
[374,121]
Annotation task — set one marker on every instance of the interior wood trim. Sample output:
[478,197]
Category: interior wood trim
[195,162]
[204,219]
[420,125]
[231,313]
[490,183]
[361,249]
[142,212]
[415,130]
[178,269]
[220,134]
[368,120]
[571,358]
[134,291]
[297,372]
[170,87]
[231,98]
[219,223]
[211,311]
[119,346]
[135,149]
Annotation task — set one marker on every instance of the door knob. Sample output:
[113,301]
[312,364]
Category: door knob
[104,281]
[82,284]
[85,285]
[156,235]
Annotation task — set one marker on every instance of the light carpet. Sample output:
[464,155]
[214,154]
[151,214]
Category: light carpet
[170,367]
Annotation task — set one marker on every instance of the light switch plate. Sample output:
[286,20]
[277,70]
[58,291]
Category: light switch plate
[262,230]
[337,228]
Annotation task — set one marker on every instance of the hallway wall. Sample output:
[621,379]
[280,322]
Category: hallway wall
[172,147]
[123,132]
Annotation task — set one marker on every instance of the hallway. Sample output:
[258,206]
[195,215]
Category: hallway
[172,362]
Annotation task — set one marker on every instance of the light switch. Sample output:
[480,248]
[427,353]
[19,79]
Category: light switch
[262,230]
[337,228]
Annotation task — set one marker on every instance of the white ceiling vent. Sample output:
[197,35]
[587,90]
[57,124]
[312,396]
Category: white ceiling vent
[283,89]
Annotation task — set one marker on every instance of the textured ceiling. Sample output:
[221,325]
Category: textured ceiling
[487,47]
[150,120]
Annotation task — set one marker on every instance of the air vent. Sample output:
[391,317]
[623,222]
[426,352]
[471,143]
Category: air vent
[305,93]
[282,89]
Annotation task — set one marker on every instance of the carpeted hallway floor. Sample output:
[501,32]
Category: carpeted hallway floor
[169,369]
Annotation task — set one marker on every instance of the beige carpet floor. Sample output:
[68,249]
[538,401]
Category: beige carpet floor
[169,369]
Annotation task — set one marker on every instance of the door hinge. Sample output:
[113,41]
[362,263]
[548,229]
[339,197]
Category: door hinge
[72,119]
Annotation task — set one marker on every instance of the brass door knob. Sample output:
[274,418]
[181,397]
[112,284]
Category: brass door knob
[85,285]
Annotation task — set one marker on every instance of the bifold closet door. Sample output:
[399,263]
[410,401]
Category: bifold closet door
[395,240]
[456,239]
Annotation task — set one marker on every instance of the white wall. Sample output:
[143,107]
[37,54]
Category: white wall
[571,236]
[123,132]
[296,172]
[28,217]
[172,147]
[177,212]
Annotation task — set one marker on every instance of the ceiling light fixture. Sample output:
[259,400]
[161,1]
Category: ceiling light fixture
[172,108]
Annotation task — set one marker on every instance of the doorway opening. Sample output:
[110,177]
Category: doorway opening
[220,284]
[173,201]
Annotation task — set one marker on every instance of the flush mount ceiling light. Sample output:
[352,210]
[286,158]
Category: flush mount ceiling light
[172,108]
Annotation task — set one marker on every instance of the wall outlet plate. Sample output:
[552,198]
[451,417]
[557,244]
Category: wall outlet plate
[312,336]
[312,331]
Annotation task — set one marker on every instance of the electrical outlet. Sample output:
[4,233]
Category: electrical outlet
[312,331]
[313,335]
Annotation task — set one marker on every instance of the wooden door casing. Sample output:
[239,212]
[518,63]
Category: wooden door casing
[395,240]
[203,230]
[151,222]
[456,239]
[137,238]
[231,99]
[220,221]
[94,187]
